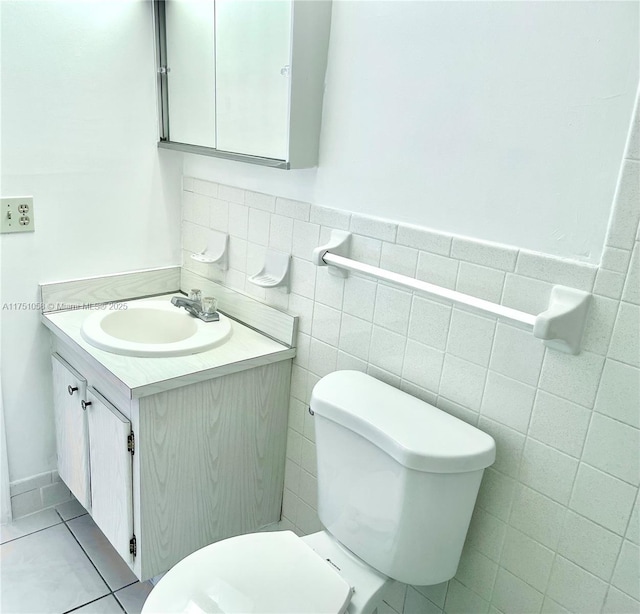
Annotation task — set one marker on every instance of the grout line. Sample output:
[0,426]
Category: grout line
[9,541]
[88,557]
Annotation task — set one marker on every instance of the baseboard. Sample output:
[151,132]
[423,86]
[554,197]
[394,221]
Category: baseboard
[38,493]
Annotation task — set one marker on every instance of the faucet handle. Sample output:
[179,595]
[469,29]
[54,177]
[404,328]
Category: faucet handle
[195,295]
[209,305]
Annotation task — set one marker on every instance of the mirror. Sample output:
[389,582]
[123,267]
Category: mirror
[225,70]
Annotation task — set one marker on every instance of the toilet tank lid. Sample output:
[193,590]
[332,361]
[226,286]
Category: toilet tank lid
[417,435]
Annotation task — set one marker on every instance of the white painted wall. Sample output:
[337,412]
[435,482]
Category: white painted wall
[79,132]
[504,121]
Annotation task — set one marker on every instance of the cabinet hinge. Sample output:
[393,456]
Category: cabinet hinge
[133,547]
[131,443]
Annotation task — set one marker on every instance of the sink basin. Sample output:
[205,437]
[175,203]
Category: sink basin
[153,328]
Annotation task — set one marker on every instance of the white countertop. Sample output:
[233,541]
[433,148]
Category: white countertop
[144,376]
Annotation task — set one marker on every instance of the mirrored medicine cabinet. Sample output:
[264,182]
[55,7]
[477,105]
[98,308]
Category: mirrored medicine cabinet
[242,79]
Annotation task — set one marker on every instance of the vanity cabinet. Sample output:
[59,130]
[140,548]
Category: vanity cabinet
[168,473]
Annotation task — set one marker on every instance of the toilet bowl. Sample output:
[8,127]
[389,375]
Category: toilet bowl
[397,484]
[269,573]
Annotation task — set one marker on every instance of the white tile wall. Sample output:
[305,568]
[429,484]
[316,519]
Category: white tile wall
[554,528]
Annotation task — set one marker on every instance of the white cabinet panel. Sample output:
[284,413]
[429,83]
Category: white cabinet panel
[253,50]
[111,475]
[69,389]
[191,83]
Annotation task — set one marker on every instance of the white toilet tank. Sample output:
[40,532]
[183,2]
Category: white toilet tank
[397,477]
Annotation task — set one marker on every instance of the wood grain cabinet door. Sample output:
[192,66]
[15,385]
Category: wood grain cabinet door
[111,473]
[72,438]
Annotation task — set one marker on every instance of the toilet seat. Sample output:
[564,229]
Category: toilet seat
[257,573]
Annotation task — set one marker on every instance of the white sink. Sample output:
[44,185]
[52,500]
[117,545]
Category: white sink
[152,328]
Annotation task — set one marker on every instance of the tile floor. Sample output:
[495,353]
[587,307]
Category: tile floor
[58,561]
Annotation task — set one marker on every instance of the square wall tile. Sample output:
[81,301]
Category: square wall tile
[559,423]
[471,337]
[599,325]
[603,499]
[302,307]
[625,344]
[615,259]
[306,237]
[480,281]
[429,322]
[614,448]
[527,559]
[526,294]
[392,308]
[626,576]
[366,249]
[437,270]
[486,534]
[259,224]
[589,545]
[609,283]
[281,233]
[322,358]
[508,401]
[574,378]
[548,471]
[537,516]
[422,365]
[326,324]
[219,215]
[303,277]
[387,350]
[618,603]
[513,595]
[359,297]
[329,288]
[355,336]
[399,259]
[419,604]
[496,494]
[517,354]
[575,588]
[435,593]
[477,572]
[461,600]
[509,446]
[619,393]
[462,382]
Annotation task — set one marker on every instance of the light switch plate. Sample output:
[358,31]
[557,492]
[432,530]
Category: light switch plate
[16,214]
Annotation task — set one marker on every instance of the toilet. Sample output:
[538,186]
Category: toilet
[397,484]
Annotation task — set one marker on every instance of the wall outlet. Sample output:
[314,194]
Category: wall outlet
[16,214]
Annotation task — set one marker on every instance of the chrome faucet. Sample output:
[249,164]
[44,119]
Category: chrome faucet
[194,307]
